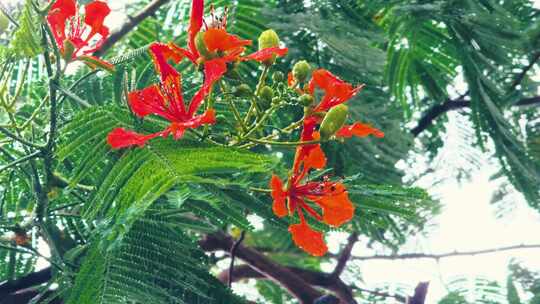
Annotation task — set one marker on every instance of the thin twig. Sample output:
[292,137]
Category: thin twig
[19,139]
[20,160]
[345,256]
[234,248]
[408,256]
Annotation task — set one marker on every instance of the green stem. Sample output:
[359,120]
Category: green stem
[285,143]
[236,113]
[254,106]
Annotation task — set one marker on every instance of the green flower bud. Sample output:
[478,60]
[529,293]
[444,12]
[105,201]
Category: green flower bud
[278,77]
[201,46]
[266,95]
[4,22]
[306,100]
[69,49]
[242,90]
[301,70]
[269,39]
[276,101]
[333,121]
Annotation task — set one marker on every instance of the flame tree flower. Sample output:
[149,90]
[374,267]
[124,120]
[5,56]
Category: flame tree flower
[76,36]
[210,45]
[164,100]
[301,196]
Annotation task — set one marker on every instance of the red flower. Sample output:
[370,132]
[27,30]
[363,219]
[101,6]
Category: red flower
[81,36]
[164,100]
[336,91]
[359,130]
[220,47]
[331,197]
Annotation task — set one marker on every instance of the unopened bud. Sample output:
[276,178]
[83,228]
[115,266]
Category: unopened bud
[69,49]
[301,70]
[266,95]
[242,90]
[268,39]
[278,77]
[333,121]
[306,100]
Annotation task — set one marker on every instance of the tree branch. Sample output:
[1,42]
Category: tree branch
[345,256]
[420,293]
[314,278]
[234,248]
[454,104]
[304,292]
[407,256]
[132,22]
[32,279]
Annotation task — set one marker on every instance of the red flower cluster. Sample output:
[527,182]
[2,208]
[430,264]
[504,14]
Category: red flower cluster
[330,197]
[76,36]
[213,49]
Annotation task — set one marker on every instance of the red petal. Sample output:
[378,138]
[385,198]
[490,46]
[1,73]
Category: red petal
[121,138]
[308,239]
[279,207]
[266,54]
[213,71]
[95,13]
[336,206]
[60,12]
[195,24]
[359,130]
[290,79]
[161,53]
[336,90]
[217,39]
[149,101]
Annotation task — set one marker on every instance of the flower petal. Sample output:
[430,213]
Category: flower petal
[266,54]
[359,130]
[308,239]
[161,54]
[213,70]
[122,138]
[195,24]
[336,91]
[95,13]
[217,39]
[336,206]
[60,12]
[148,101]
[279,207]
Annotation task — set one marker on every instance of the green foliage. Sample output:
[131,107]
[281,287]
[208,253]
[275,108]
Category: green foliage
[155,263]
[26,41]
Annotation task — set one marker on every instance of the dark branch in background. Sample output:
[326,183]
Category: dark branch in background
[443,255]
[420,293]
[454,104]
[345,256]
[304,292]
[233,255]
[33,279]
[132,22]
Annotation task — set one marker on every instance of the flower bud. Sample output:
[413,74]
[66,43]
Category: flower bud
[4,22]
[69,49]
[301,71]
[266,95]
[333,121]
[200,44]
[242,90]
[306,100]
[269,39]
[278,77]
